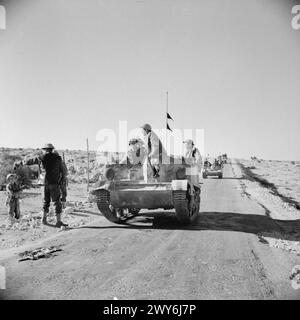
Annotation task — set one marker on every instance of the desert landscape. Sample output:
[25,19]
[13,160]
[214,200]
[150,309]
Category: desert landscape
[281,177]
[178,126]
[275,185]
[254,208]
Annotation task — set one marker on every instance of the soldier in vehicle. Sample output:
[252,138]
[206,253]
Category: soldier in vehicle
[155,150]
[135,158]
[52,163]
[216,163]
[136,153]
[208,161]
[192,154]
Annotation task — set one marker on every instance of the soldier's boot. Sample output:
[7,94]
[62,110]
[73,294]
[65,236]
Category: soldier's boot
[155,172]
[63,204]
[59,223]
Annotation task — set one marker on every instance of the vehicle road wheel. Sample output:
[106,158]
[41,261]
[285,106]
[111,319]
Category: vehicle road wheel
[186,205]
[109,212]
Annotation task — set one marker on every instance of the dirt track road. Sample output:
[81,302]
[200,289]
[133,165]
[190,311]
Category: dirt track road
[218,257]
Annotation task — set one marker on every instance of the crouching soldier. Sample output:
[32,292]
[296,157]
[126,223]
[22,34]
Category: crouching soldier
[52,164]
[134,159]
[13,189]
[136,153]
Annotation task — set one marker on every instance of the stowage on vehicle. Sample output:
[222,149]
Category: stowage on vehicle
[127,188]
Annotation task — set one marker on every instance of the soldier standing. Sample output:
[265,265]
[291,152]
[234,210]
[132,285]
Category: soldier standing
[192,154]
[156,151]
[52,163]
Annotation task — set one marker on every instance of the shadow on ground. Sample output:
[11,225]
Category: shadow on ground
[234,178]
[218,221]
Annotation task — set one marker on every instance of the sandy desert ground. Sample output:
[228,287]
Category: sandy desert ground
[285,175]
[275,185]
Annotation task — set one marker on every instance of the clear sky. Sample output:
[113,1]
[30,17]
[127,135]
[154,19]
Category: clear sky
[69,68]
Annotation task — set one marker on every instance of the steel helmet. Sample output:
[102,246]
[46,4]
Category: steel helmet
[146,126]
[133,141]
[189,141]
[48,146]
[10,176]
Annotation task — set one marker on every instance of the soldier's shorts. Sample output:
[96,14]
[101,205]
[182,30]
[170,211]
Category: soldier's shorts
[52,193]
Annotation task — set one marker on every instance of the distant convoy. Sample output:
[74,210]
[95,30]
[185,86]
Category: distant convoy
[214,168]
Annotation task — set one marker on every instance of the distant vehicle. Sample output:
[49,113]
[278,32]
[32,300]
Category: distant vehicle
[224,158]
[213,169]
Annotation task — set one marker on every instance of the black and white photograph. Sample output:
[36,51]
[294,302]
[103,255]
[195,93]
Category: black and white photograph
[149,151]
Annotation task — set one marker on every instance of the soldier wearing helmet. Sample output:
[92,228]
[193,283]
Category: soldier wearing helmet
[53,166]
[155,150]
[192,154]
[136,153]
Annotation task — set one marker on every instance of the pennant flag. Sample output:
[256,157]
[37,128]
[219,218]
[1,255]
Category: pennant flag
[169,117]
[168,128]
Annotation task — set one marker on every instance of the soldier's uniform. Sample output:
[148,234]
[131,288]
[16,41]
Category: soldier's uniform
[193,156]
[53,166]
[194,159]
[64,183]
[136,155]
[157,154]
[135,158]
[13,190]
